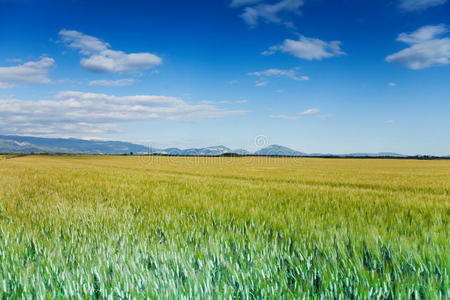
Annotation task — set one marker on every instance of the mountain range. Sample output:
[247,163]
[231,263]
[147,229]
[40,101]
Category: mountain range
[28,144]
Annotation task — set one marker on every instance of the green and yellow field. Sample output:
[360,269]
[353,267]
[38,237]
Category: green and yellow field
[173,227]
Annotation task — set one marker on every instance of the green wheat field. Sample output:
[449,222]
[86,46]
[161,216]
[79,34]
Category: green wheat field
[111,227]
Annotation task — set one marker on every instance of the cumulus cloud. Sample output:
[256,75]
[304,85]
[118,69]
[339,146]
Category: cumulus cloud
[100,58]
[291,73]
[427,48]
[255,11]
[415,5]
[29,72]
[78,112]
[308,48]
[422,34]
[119,82]
[392,84]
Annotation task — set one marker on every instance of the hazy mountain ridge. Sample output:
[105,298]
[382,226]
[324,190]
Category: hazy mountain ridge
[278,150]
[27,144]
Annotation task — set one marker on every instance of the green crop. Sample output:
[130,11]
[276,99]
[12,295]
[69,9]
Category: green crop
[233,228]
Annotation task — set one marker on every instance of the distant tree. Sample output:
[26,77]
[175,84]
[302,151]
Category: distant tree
[229,154]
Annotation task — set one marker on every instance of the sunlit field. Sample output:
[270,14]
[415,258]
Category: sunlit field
[173,227]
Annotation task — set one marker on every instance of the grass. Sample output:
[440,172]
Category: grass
[172,227]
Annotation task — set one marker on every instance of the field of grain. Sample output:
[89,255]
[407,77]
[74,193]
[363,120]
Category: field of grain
[173,227]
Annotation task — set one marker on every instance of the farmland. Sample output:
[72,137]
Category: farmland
[174,227]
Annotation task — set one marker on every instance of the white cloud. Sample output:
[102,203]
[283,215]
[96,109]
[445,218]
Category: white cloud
[261,83]
[292,74]
[415,5]
[119,82]
[263,75]
[422,34]
[308,48]
[100,58]
[392,84]
[308,112]
[269,13]
[285,117]
[389,122]
[78,112]
[426,49]
[29,72]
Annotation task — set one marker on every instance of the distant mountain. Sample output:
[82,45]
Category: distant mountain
[26,144]
[279,151]
[380,154]
[320,154]
[213,150]
[241,151]
[170,151]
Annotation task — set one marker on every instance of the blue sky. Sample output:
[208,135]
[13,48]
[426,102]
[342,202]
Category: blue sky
[315,75]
